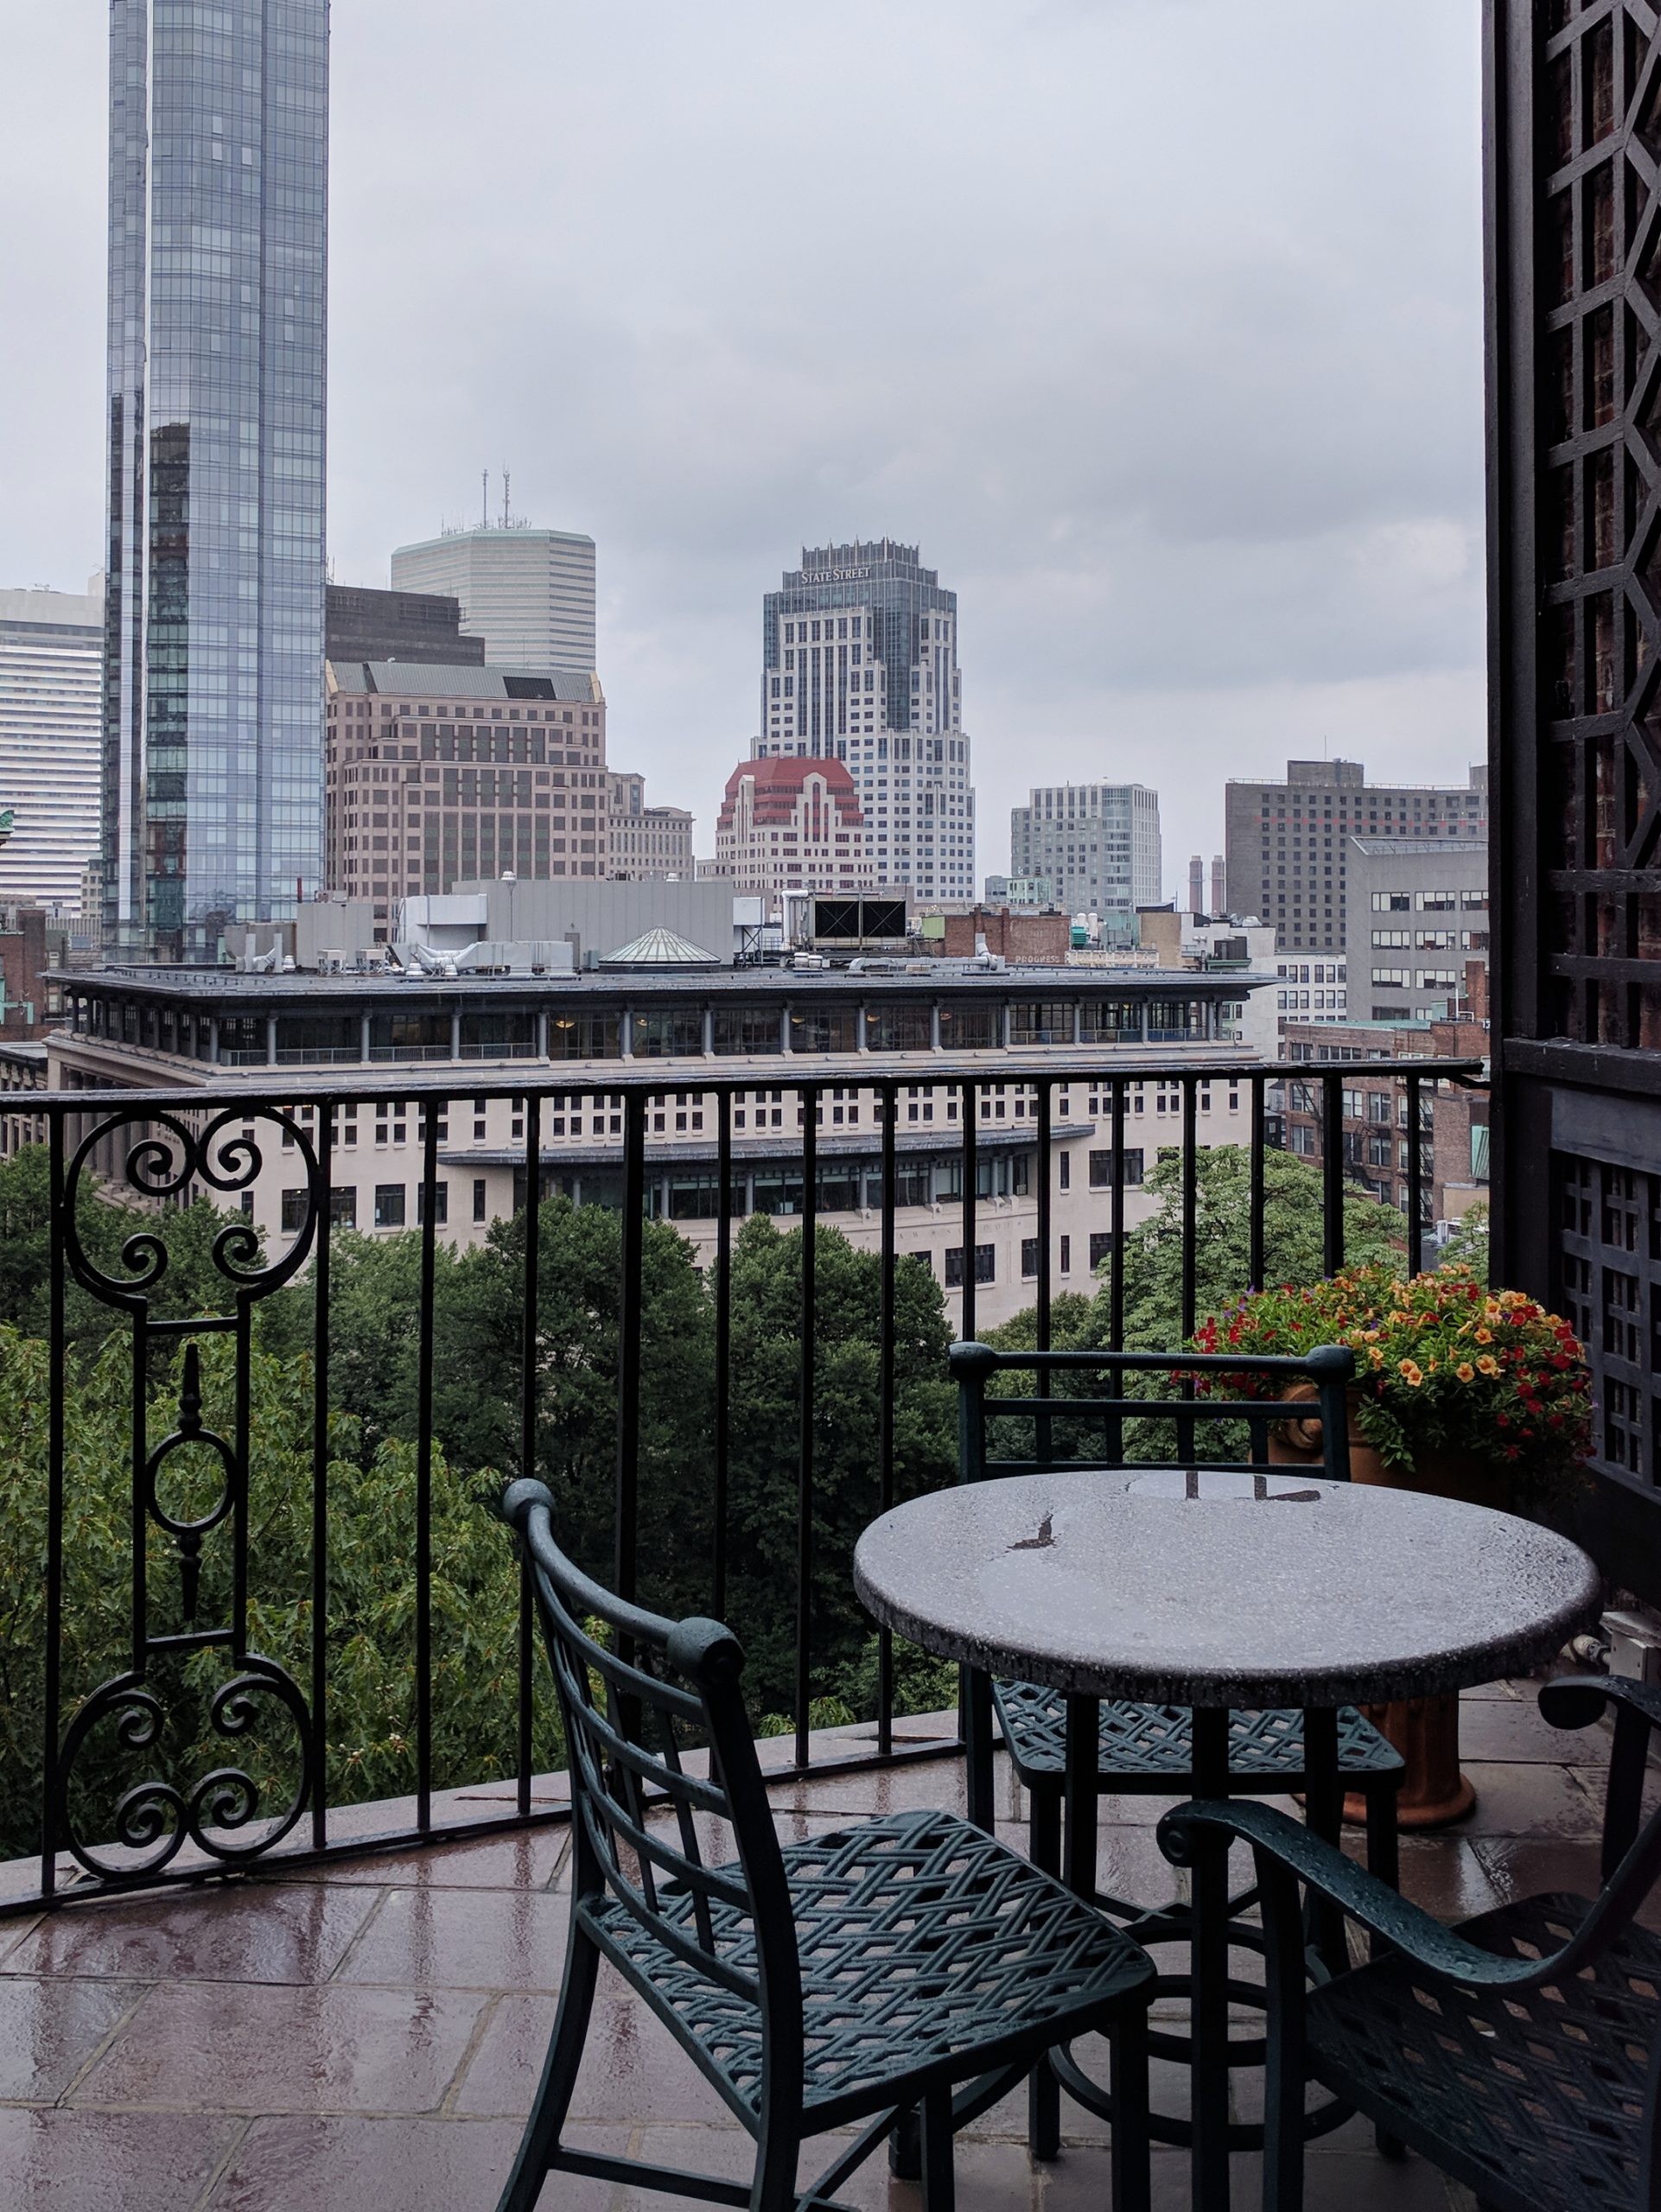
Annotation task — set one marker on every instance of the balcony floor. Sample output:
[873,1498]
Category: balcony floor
[366,2038]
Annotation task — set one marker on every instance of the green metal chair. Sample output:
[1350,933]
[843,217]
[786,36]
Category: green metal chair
[846,1981]
[1148,1749]
[1519,2051]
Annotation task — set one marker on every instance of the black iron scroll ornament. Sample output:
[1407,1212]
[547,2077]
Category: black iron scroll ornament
[222,1812]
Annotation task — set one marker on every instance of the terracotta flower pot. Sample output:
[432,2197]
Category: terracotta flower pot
[1424,1730]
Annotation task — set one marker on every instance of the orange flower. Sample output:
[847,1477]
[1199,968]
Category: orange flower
[1485,1335]
[1487,1364]
[1412,1372]
[1465,1371]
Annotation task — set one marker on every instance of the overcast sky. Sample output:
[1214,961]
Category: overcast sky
[1157,323]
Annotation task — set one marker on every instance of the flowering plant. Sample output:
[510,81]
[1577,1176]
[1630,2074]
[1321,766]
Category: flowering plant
[1443,1365]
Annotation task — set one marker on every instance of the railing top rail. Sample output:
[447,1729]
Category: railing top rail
[817,1073]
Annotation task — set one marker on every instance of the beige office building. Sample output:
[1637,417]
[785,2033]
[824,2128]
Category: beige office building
[528,593]
[646,841]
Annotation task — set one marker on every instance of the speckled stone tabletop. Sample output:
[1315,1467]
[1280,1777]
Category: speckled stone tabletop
[1212,1589]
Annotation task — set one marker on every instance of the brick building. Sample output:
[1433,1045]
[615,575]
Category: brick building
[437,775]
[794,824]
[1045,938]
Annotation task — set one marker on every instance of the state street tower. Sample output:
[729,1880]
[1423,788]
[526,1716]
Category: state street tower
[213,771]
[859,653]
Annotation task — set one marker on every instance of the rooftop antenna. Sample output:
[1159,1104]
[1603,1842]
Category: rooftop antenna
[484,503]
[506,508]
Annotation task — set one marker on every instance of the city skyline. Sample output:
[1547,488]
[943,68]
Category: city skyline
[1164,541]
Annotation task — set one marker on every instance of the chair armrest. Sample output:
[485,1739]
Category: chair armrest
[1576,1701]
[1281,1841]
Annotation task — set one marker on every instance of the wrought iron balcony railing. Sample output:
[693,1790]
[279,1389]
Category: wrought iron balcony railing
[177,1520]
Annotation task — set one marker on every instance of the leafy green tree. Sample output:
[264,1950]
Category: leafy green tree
[847,1396]
[1293,1242]
[1467,1247]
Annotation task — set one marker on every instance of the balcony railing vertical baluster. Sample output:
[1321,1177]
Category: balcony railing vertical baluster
[1332,1166]
[627,1500]
[1114,1439]
[529,1390]
[809,1097]
[889,1105]
[1190,1244]
[1414,1181]
[723,1346]
[57,1354]
[424,1467]
[1044,1433]
[324,1118]
[1258,1204]
[969,1096]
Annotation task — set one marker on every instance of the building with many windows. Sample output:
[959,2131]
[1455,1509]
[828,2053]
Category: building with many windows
[1418,914]
[363,624]
[1098,845]
[213,787]
[949,1043]
[51,697]
[859,651]
[647,841]
[1287,859]
[529,593]
[437,775]
[793,825]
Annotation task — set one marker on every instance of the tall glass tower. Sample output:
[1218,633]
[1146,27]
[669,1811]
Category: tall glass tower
[212,774]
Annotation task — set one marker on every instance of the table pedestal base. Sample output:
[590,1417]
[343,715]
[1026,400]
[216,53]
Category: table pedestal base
[1425,1731]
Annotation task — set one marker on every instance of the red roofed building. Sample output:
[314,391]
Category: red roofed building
[794,824]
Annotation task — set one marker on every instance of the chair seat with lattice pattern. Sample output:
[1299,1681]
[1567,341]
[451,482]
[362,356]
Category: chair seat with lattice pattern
[918,1936]
[1150,1747]
[1537,2099]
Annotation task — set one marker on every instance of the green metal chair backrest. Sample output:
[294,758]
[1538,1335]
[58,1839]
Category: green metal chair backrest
[633,1700]
[1207,1388]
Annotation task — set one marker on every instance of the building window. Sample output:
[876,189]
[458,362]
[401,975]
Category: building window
[1066,1255]
[985,1265]
[441,1203]
[479,1198]
[389,1206]
[1101,1247]
[1101,1169]
[343,1207]
[294,1211]
[1029,1258]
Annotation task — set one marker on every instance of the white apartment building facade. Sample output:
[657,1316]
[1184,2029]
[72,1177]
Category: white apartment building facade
[1096,844]
[51,711]
[860,665]
[460,1044]
[646,841]
[528,593]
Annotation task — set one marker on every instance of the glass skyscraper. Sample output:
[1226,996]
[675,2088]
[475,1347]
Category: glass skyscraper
[859,663]
[212,774]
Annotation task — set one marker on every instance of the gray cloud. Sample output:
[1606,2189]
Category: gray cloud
[1157,323]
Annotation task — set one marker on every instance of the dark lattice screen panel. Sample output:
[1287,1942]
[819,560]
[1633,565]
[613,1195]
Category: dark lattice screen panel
[1610,1290]
[1599,278]
[1573,267]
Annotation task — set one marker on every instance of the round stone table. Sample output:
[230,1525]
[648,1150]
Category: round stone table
[1223,1590]
[1219,1591]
